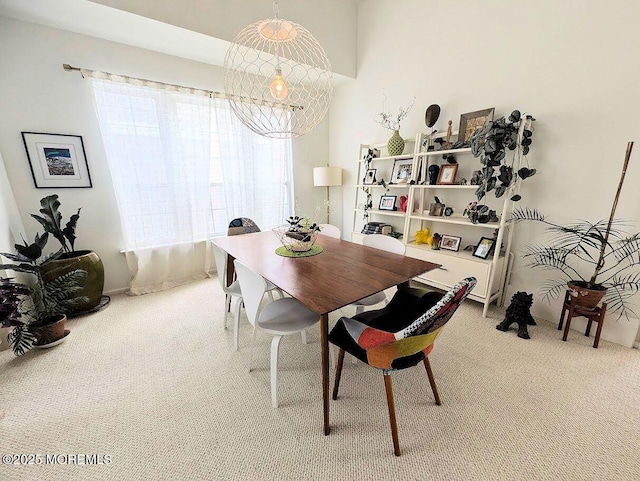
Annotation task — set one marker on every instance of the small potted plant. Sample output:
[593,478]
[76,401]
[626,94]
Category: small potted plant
[597,261]
[37,310]
[299,235]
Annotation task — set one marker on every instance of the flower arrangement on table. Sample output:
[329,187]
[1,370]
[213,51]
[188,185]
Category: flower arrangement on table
[299,235]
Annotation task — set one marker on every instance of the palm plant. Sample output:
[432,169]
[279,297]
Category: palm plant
[611,253]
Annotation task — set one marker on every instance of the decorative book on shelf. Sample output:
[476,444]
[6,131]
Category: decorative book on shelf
[377,228]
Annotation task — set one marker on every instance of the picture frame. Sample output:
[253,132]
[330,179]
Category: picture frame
[484,248]
[450,242]
[388,202]
[402,171]
[447,174]
[472,121]
[370,177]
[57,160]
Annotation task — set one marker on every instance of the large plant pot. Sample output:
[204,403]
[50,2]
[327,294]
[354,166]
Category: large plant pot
[92,285]
[49,329]
[4,342]
[588,297]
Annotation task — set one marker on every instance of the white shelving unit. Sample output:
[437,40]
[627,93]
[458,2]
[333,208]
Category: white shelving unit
[491,272]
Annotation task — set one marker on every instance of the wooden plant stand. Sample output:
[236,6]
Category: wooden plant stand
[595,314]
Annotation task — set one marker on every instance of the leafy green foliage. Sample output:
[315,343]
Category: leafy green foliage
[574,251]
[24,304]
[491,143]
[51,221]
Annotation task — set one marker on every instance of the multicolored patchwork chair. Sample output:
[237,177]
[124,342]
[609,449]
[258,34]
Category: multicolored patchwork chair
[397,337]
[242,225]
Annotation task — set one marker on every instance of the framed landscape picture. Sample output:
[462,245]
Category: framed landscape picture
[57,160]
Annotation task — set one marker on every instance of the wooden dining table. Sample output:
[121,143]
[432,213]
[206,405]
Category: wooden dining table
[344,272]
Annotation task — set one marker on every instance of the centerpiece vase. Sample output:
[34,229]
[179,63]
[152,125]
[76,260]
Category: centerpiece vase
[395,145]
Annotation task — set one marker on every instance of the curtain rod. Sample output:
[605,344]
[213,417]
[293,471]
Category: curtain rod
[212,93]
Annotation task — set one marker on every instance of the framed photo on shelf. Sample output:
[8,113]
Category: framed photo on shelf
[447,175]
[57,160]
[402,169]
[484,247]
[472,121]
[450,242]
[387,202]
[370,177]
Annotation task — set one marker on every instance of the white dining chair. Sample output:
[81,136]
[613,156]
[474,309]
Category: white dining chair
[281,317]
[330,230]
[233,290]
[385,243]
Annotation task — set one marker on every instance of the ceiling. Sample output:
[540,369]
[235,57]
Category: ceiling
[95,19]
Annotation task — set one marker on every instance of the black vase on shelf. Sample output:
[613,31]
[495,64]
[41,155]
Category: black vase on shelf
[434,170]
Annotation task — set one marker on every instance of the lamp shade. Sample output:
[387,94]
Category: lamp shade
[327,176]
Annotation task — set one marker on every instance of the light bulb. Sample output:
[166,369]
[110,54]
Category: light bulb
[279,89]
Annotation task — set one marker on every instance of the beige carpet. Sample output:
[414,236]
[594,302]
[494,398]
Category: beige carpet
[153,383]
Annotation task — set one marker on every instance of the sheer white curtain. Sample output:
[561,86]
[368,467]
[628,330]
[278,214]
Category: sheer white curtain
[183,166]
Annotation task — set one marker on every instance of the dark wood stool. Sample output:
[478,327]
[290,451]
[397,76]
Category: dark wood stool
[593,315]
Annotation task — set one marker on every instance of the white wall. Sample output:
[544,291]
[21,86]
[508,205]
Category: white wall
[331,22]
[10,224]
[572,65]
[38,95]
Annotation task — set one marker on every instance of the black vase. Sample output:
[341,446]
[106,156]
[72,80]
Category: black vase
[434,170]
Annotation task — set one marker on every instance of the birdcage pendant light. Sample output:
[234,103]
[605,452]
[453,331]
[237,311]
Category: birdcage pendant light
[278,78]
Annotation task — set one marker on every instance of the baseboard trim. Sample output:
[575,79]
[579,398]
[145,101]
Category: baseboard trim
[114,292]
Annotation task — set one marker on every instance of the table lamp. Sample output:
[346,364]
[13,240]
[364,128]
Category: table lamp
[326,177]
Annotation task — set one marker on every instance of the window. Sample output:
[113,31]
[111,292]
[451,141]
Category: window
[183,166]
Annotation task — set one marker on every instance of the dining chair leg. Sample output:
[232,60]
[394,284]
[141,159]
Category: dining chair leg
[227,308]
[253,338]
[432,380]
[236,323]
[336,383]
[275,343]
[392,413]
[303,333]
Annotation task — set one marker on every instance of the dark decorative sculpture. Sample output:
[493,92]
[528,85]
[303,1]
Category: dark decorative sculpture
[519,311]
[431,115]
[434,170]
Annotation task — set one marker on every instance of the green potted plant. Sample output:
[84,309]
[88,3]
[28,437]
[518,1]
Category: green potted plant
[12,296]
[597,261]
[70,259]
[37,309]
[491,144]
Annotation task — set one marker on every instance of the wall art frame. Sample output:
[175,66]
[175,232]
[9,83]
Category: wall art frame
[472,121]
[57,161]
[450,242]
[369,177]
[402,171]
[484,248]
[447,174]
[388,202]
